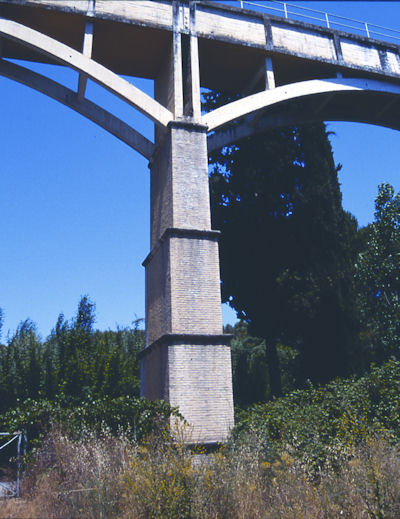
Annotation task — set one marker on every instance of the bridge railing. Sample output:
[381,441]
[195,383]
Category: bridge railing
[334,21]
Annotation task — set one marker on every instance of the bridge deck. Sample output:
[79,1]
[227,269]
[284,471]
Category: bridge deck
[131,38]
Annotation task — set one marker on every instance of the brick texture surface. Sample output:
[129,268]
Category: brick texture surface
[183,290]
[158,294]
[197,379]
[161,199]
[190,179]
[195,298]
[200,384]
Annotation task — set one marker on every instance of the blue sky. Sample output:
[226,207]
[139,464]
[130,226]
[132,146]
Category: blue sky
[74,201]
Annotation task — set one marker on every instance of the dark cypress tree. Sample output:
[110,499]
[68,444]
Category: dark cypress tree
[287,248]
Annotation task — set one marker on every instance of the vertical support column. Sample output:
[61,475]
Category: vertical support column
[269,74]
[86,49]
[338,48]
[187,358]
[195,68]
[191,70]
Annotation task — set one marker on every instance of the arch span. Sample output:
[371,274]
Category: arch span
[85,107]
[294,92]
[83,64]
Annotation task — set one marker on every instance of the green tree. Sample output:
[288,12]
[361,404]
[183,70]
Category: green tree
[87,361]
[378,278]
[287,248]
[86,315]
[74,362]
[21,365]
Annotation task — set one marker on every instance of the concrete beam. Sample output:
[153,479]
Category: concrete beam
[194,66]
[176,76]
[190,65]
[269,80]
[269,74]
[87,51]
[86,108]
[101,75]
[268,98]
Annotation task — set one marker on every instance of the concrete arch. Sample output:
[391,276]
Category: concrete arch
[85,107]
[371,108]
[292,92]
[78,61]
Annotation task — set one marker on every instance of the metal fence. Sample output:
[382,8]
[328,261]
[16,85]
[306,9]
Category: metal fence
[11,488]
[297,12]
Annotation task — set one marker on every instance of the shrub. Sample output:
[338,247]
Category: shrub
[318,423]
[108,476]
[136,417]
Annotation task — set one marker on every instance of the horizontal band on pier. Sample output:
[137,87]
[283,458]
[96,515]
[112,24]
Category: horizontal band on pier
[175,232]
[178,339]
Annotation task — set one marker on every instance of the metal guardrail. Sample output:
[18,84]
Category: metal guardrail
[18,437]
[334,21]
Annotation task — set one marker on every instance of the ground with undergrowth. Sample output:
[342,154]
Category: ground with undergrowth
[324,452]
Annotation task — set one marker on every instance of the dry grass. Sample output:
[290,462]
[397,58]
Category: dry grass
[19,509]
[108,477]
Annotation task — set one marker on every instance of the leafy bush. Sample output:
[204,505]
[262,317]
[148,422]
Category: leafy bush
[318,423]
[137,417]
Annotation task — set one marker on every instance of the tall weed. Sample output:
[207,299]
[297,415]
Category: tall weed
[106,477]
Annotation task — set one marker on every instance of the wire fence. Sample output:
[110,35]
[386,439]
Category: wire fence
[12,488]
[334,21]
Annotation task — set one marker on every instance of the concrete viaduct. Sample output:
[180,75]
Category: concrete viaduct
[286,72]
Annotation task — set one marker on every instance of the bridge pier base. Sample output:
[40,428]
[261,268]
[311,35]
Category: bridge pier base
[187,360]
[194,374]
